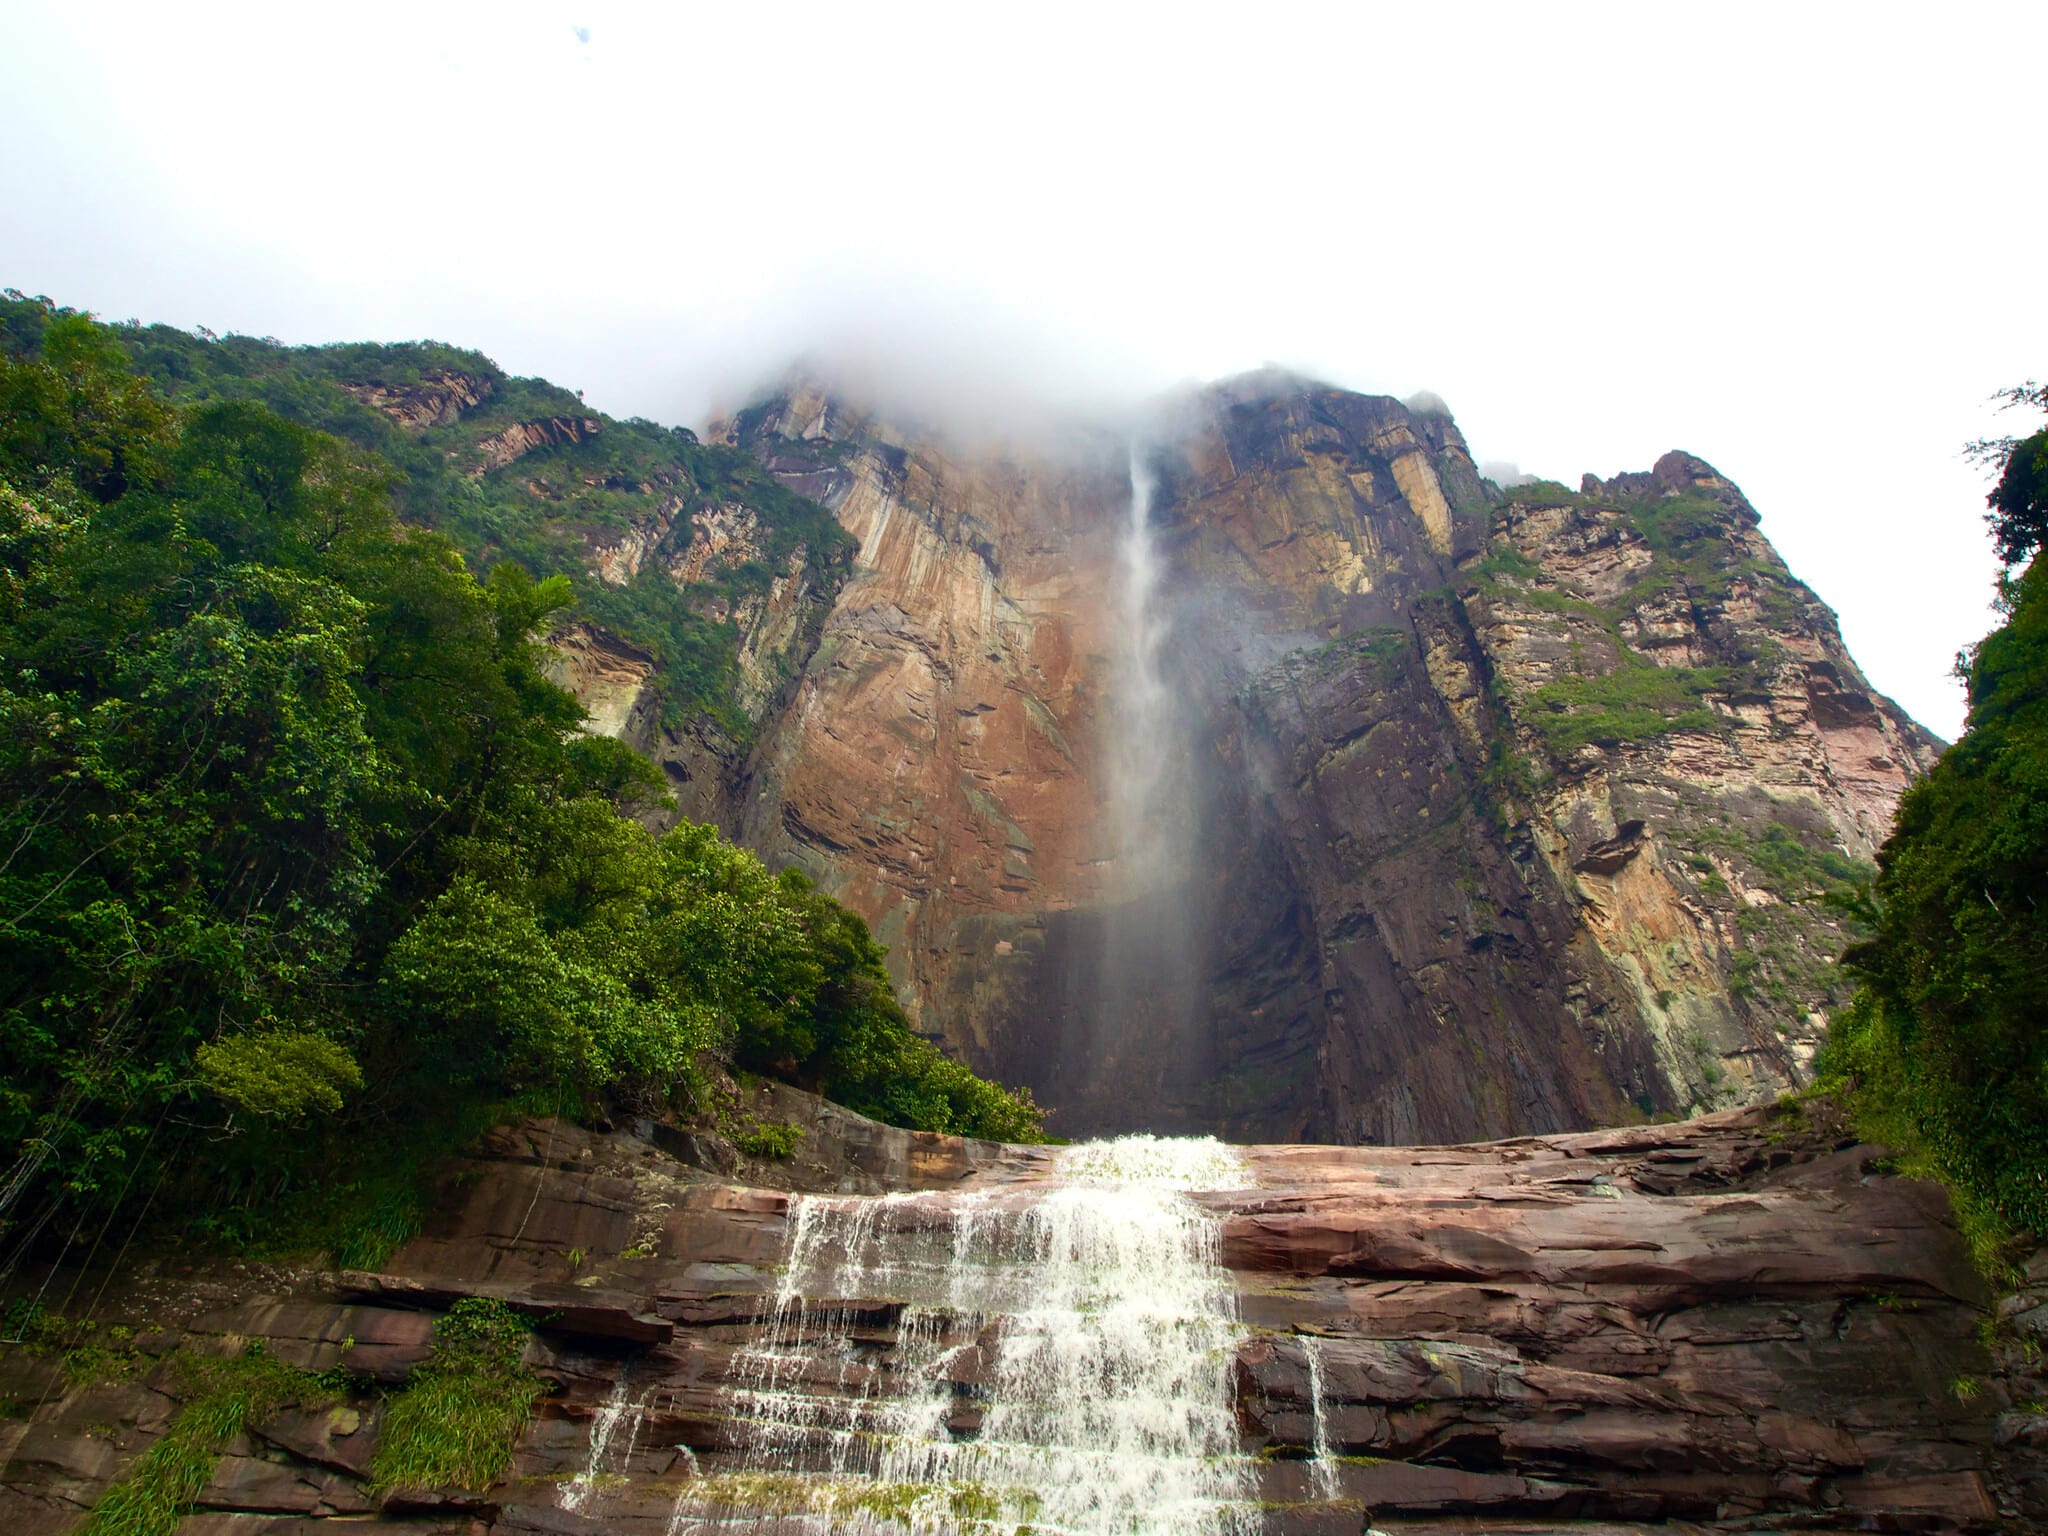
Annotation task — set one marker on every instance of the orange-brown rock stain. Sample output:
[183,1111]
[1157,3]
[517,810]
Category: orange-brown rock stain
[1420,917]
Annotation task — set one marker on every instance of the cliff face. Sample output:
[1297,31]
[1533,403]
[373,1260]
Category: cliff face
[1739,1322]
[1715,761]
[925,763]
[1439,812]
[1486,812]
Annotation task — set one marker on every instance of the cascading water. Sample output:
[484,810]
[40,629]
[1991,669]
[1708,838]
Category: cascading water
[1062,1358]
[621,1410]
[1144,737]
[1324,1468]
[1146,977]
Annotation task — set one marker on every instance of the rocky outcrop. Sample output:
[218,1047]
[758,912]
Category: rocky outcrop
[771,601]
[609,676]
[438,399]
[523,437]
[1491,812]
[1741,1323]
[617,561]
[1696,845]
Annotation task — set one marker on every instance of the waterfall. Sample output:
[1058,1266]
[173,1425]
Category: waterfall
[1144,739]
[1059,1358]
[618,1408]
[1143,1030]
[1324,1474]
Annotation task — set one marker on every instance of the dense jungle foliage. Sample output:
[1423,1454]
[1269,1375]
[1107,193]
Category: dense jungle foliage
[543,510]
[1944,1051]
[305,871]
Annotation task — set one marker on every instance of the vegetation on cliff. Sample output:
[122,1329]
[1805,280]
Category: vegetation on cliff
[1614,690]
[2018,503]
[220,1398]
[1669,631]
[302,859]
[1944,1051]
[513,469]
[461,1413]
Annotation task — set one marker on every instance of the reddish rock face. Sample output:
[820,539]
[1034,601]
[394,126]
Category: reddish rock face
[1732,1324]
[438,399]
[523,437]
[1435,868]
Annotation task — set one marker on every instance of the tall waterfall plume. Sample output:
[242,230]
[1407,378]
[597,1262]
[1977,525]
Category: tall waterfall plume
[1146,989]
[1145,739]
[1058,1358]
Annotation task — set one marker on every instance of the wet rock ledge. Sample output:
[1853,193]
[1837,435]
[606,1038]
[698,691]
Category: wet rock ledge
[1738,1323]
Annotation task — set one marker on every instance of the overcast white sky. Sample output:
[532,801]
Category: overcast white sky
[1801,241]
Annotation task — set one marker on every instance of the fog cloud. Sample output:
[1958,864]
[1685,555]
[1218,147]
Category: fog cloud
[946,359]
[976,213]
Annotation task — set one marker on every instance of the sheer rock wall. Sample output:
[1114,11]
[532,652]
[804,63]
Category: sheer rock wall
[1426,889]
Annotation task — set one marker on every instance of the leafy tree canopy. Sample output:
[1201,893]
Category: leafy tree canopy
[543,511]
[300,849]
[2018,501]
[1945,1047]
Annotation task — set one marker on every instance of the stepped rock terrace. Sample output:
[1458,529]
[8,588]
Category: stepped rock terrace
[1737,1323]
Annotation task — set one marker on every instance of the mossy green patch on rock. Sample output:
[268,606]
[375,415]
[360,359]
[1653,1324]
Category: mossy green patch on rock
[1633,702]
[456,1422]
[222,1397]
[964,1505]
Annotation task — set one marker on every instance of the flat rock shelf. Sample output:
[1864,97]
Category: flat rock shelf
[1738,1323]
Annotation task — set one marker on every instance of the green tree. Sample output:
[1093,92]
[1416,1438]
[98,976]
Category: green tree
[1944,1049]
[2018,501]
[301,851]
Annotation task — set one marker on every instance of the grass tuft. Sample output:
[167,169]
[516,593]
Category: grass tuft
[458,1419]
[226,1397]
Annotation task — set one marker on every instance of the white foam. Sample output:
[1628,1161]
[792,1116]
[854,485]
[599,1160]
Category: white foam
[1090,1323]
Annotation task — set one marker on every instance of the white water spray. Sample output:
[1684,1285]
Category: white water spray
[1324,1468]
[1059,1359]
[619,1410]
[1144,739]
[680,1521]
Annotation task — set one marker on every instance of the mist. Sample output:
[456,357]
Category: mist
[1004,220]
[943,360]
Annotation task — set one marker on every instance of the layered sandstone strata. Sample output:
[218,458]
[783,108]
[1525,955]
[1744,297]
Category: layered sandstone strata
[438,399]
[1735,1324]
[1493,812]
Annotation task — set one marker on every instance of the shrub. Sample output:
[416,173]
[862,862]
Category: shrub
[284,1074]
[776,1139]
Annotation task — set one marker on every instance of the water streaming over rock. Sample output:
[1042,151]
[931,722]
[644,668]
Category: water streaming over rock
[1144,736]
[620,1410]
[1146,976]
[1323,1470]
[1058,1357]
